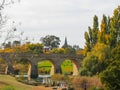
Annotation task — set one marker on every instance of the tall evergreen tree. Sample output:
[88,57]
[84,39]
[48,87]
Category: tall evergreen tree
[91,36]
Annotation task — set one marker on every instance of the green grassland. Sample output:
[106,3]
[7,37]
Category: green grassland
[66,66]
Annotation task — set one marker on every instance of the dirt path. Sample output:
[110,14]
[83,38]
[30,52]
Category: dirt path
[41,88]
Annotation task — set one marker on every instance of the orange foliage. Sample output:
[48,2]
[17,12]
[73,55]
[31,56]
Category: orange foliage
[78,82]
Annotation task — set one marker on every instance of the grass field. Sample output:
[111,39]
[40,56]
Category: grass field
[12,84]
[6,80]
[66,66]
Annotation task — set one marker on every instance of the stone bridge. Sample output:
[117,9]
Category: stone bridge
[33,59]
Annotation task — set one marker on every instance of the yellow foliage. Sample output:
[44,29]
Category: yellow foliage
[58,50]
[103,26]
[100,50]
[1,50]
[47,52]
[22,48]
[9,50]
[80,52]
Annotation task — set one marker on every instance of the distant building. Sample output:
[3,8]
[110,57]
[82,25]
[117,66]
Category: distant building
[46,48]
[65,43]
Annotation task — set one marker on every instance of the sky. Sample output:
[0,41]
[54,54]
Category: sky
[62,18]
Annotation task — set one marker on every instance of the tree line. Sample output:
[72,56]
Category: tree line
[102,50]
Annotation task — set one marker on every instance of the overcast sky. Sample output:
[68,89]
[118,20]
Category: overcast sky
[61,18]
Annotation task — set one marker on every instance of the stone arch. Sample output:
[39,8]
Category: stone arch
[21,64]
[52,71]
[76,66]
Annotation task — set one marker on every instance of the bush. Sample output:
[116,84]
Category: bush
[90,83]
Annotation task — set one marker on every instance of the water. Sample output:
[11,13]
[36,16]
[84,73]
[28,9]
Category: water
[39,76]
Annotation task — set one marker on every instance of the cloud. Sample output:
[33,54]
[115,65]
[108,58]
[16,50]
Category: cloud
[62,18]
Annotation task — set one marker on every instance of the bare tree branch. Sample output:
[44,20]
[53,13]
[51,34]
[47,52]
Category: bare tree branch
[10,33]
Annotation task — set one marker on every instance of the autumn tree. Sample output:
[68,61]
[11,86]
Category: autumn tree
[115,27]
[103,35]
[96,60]
[110,29]
[99,44]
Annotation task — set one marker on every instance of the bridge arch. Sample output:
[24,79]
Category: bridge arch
[75,66]
[51,65]
[56,62]
[55,59]
[21,66]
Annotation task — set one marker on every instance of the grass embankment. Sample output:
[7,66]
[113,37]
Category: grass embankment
[6,80]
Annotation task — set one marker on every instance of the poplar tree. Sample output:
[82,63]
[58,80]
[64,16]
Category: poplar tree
[103,36]
[115,27]
[91,36]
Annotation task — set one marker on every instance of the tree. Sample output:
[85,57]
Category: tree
[35,48]
[96,60]
[51,41]
[110,29]
[76,47]
[91,36]
[87,43]
[103,35]
[111,75]
[3,3]
[3,19]
[95,30]
[70,50]
[115,27]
